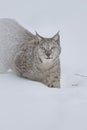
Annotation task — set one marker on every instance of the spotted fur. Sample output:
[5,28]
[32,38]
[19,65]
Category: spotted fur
[31,56]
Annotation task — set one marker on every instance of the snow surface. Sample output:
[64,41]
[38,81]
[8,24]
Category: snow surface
[28,105]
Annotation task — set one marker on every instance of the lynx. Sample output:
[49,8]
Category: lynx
[30,56]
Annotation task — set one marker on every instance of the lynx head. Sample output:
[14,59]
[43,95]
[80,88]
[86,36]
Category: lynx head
[48,49]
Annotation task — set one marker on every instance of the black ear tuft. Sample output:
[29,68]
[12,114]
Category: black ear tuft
[39,37]
[56,37]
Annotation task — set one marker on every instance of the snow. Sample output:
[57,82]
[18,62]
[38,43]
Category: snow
[31,105]
[28,105]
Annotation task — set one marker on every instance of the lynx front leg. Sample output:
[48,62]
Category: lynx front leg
[54,85]
[53,81]
[53,76]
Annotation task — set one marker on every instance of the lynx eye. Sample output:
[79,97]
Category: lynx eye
[53,48]
[42,48]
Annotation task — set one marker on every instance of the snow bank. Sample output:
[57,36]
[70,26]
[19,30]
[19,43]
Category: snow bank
[28,105]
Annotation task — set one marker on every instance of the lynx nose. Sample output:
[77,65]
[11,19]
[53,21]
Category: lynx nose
[48,53]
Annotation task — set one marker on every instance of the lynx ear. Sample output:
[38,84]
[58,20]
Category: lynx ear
[39,37]
[56,37]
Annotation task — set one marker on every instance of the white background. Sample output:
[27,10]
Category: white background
[49,16]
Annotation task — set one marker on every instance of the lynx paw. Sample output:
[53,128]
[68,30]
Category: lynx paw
[54,86]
